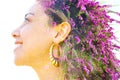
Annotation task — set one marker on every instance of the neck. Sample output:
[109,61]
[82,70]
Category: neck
[44,68]
[47,72]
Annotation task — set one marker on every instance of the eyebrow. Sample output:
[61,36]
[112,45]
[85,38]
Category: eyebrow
[29,14]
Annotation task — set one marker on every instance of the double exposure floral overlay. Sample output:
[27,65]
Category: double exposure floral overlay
[88,50]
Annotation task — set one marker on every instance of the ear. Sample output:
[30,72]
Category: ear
[63,31]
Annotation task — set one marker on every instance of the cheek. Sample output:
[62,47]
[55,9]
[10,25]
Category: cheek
[30,38]
[35,40]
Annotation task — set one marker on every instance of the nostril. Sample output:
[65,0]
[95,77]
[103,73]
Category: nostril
[15,34]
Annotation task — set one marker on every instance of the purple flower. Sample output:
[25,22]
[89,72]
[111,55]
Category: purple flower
[86,70]
[78,4]
[83,8]
[72,22]
[54,24]
[117,46]
[90,66]
[77,39]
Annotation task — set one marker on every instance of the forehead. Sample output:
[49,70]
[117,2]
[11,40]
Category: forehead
[37,9]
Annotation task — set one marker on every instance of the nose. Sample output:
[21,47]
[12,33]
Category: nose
[16,33]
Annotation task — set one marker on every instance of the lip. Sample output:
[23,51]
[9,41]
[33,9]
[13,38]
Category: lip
[18,42]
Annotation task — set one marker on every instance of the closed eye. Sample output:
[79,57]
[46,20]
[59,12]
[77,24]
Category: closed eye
[26,19]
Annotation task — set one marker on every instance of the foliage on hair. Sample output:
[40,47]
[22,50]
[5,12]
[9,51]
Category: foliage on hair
[88,50]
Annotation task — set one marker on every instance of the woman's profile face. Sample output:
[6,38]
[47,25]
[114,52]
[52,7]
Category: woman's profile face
[33,37]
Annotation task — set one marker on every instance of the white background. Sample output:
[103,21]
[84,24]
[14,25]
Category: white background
[11,16]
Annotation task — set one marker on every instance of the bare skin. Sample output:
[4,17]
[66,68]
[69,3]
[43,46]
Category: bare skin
[34,39]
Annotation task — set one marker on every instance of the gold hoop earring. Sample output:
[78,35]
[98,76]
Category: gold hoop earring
[53,59]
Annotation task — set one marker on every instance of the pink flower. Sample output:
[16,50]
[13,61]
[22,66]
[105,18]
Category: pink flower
[77,39]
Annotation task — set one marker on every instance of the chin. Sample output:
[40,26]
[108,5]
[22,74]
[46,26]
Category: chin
[18,62]
[21,62]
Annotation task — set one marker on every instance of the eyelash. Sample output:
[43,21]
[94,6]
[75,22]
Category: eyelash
[26,19]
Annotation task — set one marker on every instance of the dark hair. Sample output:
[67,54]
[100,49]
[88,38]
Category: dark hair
[88,50]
